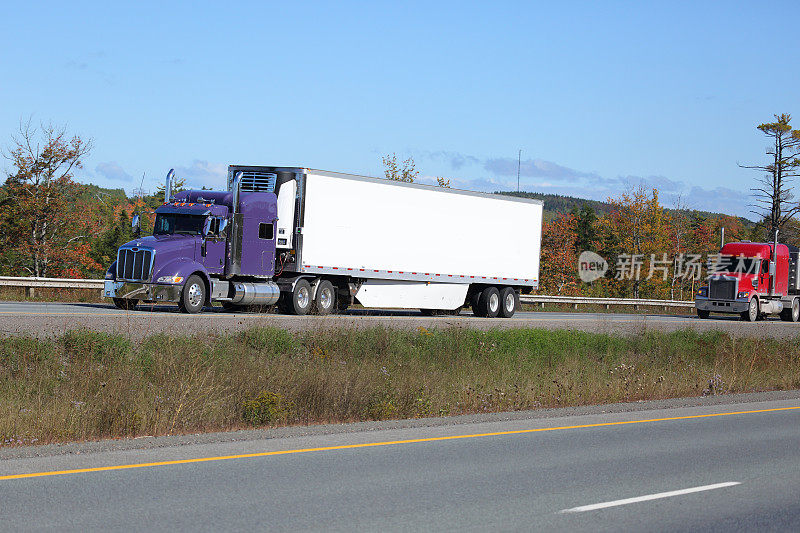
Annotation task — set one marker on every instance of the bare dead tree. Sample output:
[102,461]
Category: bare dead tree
[773,197]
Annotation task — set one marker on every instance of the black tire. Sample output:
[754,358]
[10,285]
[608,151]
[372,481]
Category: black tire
[125,304]
[193,295]
[509,301]
[751,315]
[703,314]
[474,301]
[791,314]
[489,302]
[298,302]
[325,299]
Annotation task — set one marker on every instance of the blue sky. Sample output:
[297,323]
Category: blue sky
[598,95]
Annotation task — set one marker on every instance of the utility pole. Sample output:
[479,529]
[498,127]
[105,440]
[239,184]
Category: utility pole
[519,161]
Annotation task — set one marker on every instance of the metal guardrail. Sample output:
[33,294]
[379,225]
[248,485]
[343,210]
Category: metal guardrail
[607,302]
[30,284]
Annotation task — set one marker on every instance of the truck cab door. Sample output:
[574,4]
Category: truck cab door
[763,276]
[213,248]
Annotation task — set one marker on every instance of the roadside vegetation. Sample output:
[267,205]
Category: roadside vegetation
[90,385]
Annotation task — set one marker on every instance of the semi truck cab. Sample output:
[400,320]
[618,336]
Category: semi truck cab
[753,280]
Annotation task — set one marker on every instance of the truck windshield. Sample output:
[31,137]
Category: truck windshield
[729,264]
[171,223]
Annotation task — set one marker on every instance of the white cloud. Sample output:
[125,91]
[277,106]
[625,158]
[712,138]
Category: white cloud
[112,171]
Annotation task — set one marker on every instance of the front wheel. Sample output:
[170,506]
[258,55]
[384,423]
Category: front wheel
[703,314]
[751,315]
[193,295]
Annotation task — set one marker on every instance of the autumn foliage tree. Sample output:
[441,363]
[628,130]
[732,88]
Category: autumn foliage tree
[47,218]
[638,227]
[405,171]
[558,264]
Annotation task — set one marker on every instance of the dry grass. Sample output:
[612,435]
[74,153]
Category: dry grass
[89,385]
[17,294]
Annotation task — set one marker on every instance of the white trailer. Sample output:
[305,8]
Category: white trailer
[390,244]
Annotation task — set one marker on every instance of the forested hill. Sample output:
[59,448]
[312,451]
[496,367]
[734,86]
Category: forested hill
[556,203]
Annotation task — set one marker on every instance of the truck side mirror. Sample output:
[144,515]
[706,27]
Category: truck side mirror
[223,223]
[207,226]
[136,225]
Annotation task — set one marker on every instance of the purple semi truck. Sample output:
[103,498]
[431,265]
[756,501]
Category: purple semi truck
[317,241]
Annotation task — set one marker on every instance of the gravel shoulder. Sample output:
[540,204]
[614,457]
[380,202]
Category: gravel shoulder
[45,320]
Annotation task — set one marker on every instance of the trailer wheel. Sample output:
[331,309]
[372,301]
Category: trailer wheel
[509,299]
[299,301]
[325,299]
[193,295]
[125,304]
[751,315]
[474,300]
[488,303]
[793,313]
[703,314]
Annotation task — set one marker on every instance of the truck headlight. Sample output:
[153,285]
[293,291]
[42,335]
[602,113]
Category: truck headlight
[743,294]
[170,279]
[109,275]
[703,291]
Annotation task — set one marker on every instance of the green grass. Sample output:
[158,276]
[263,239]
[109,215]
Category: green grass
[89,385]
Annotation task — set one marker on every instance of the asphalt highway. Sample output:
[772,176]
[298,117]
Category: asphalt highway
[706,468]
[49,319]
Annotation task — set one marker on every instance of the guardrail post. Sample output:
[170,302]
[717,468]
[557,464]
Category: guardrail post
[30,292]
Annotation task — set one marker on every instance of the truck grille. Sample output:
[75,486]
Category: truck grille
[722,289]
[134,265]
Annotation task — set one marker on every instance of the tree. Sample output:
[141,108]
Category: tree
[773,196]
[47,218]
[406,171]
[178,185]
[443,182]
[558,270]
[585,228]
[638,227]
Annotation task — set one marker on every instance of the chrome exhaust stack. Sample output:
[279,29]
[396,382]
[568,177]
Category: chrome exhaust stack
[772,265]
[168,186]
[236,185]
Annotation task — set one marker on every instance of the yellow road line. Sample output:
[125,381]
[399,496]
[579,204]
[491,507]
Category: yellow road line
[374,444]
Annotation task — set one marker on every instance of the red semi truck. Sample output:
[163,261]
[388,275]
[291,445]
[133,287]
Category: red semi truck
[753,279]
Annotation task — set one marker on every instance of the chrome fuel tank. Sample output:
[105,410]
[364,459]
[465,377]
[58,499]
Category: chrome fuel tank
[262,293]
